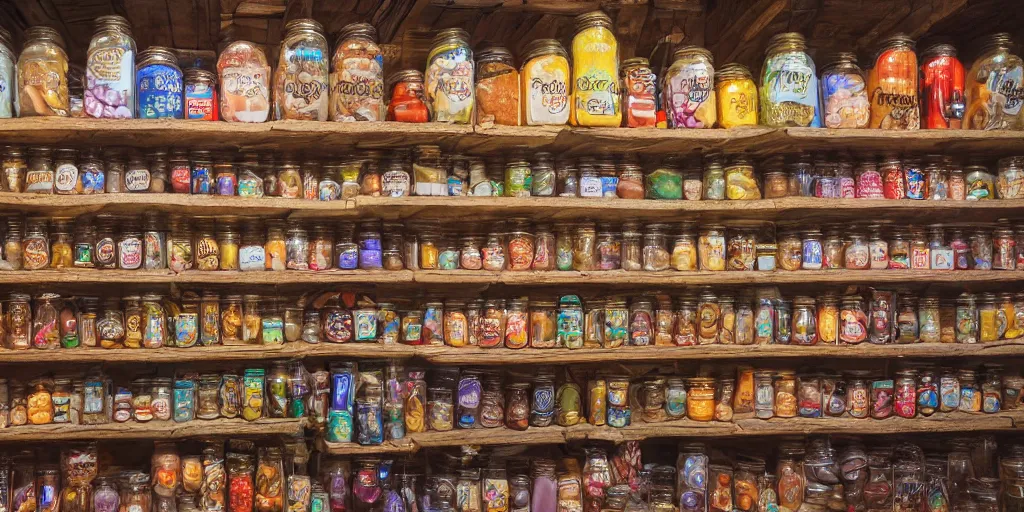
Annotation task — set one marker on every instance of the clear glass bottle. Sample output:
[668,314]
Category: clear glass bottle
[110,70]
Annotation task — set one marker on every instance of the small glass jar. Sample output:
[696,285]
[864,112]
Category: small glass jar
[786,403]
[790,251]
[711,248]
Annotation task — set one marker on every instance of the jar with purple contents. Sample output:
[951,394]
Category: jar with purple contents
[110,70]
[104,495]
[370,250]
[345,249]
[159,82]
[469,400]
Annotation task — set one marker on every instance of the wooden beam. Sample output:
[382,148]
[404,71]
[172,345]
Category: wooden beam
[733,26]
[914,22]
[629,24]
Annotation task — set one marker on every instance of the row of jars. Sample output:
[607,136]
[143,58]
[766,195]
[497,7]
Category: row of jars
[234,244]
[285,390]
[155,321]
[974,474]
[593,88]
[181,478]
[446,399]
[46,170]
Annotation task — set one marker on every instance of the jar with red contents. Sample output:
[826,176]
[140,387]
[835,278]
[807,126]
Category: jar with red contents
[892,85]
[942,88]
[631,182]
[520,247]
[181,172]
[906,393]
[961,250]
[408,103]
[869,181]
[893,184]
[240,482]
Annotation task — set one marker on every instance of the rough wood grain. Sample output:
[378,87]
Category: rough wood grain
[953,422]
[154,430]
[503,356]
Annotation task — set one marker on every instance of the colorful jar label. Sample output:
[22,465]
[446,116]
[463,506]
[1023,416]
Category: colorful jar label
[159,92]
[845,100]
[65,178]
[137,180]
[301,90]
[791,91]
[690,92]
[449,85]
[547,90]
[357,88]
[200,102]
[7,84]
[1009,86]
[110,82]
[186,329]
[245,92]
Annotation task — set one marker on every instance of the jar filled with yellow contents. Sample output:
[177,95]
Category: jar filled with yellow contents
[991,320]
[736,95]
[252,322]
[689,89]
[740,182]
[497,87]
[995,92]
[449,77]
[684,250]
[789,84]
[700,399]
[227,245]
[595,72]
[42,75]
[231,320]
[546,84]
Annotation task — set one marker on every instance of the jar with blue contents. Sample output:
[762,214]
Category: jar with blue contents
[159,84]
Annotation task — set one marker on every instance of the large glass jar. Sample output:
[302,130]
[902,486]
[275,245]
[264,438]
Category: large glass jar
[789,84]
[448,81]
[544,76]
[942,88]
[110,70]
[994,91]
[639,94]
[892,84]
[244,83]
[158,83]
[357,76]
[736,95]
[595,71]
[844,95]
[689,89]
[300,80]
[42,74]
[497,87]
[8,68]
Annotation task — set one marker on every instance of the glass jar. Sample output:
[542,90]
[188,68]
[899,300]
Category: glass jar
[244,78]
[942,88]
[711,248]
[40,174]
[159,82]
[8,65]
[882,391]
[154,322]
[497,87]
[1010,181]
[843,93]
[700,399]
[408,103]
[994,74]
[893,86]
[857,255]
[812,251]
[789,84]
[741,250]
[869,181]
[449,77]
[357,76]
[639,93]
[655,255]
[786,404]
[200,95]
[740,182]
[42,74]
[689,92]
[301,77]
[684,251]
[714,184]
[595,70]
[736,95]
[110,68]
[805,321]
[545,83]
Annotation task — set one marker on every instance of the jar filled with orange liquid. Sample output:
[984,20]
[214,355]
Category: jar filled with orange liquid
[892,85]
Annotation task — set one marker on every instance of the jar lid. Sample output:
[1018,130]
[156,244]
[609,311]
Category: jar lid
[494,54]
[155,55]
[197,74]
[449,34]
[693,51]
[592,19]
[786,41]
[634,62]
[304,24]
[938,50]
[733,71]
[362,30]
[43,33]
[541,47]
[113,21]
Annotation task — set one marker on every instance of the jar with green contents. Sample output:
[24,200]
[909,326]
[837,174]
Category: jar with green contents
[664,181]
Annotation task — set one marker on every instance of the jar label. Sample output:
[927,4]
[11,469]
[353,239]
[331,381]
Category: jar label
[366,325]
[39,181]
[137,180]
[159,92]
[395,184]
[252,257]
[200,102]
[303,71]
[106,252]
[357,87]
[61,409]
[130,253]
[449,85]
[186,329]
[688,89]
[65,178]
[245,94]
[92,402]
[791,90]
[596,92]
[1008,85]
[591,186]
[7,75]
[547,97]
[110,83]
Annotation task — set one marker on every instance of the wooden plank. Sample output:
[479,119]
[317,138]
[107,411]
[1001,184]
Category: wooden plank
[504,356]
[154,430]
[429,278]
[952,422]
[732,26]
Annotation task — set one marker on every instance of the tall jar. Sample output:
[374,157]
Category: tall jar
[159,83]
[789,84]
[736,95]
[497,87]
[244,78]
[8,78]
[995,92]
[1010,180]
[110,70]
[300,80]
[42,75]
[942,88]
[448,81]
[893,86]
[357,76]
[639,94]
[546,86]
[595,71]
[844,95]
[689,93]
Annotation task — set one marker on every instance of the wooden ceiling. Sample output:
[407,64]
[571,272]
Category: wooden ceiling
[735,30]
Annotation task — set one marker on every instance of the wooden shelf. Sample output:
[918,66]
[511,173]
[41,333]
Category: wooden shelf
[541,209]
[162,430]
[301,136]
[953,422]
[530,278]
[502,356]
